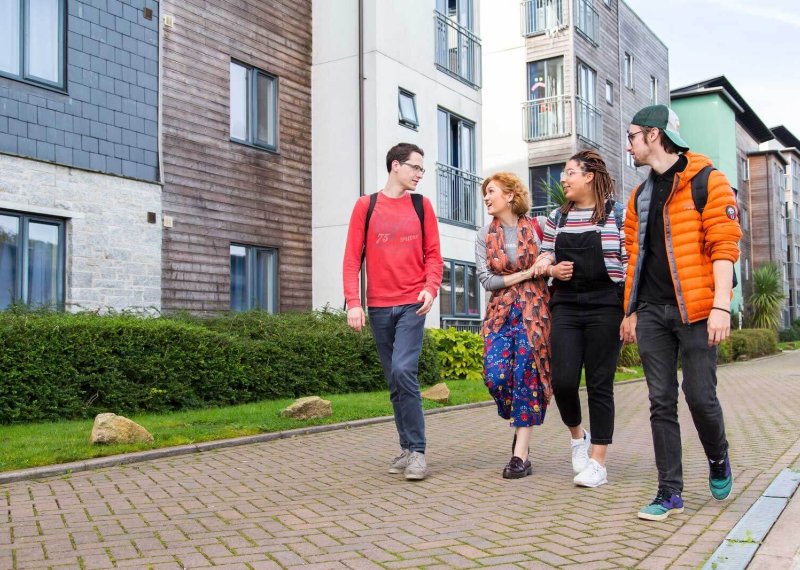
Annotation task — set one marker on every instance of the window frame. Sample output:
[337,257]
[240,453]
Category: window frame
[537,191]
[609,92]
[22,264]
[411,123]
[252,107]
[251,278]
[453,264]
[23,76]
[653,90]
[627,70]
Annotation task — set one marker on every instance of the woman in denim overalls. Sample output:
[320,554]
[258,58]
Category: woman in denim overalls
[584,251]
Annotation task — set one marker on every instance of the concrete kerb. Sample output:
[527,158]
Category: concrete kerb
[150,454]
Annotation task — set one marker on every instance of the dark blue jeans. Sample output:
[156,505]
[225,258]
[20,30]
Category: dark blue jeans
[398,334]
[662,337]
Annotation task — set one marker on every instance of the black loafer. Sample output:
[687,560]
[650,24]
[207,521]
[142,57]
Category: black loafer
[517,469]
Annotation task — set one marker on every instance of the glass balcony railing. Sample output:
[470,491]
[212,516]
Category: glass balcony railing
[458,51]
[538,16]
[457,195]
[546,118]
[461,324]
[589,124]
[587,21]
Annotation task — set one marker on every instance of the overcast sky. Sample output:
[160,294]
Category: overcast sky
[756,45]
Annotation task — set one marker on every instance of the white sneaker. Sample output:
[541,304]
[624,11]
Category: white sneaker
[593,476]
[580,452]
[416,470]
[400,462]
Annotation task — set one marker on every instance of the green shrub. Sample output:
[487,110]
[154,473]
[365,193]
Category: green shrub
[791,334]
[753,342]
[725,351]
[59,366]
[460,354]
[629,356]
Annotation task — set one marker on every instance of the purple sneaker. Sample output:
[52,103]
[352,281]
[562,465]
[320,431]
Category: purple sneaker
[667,502]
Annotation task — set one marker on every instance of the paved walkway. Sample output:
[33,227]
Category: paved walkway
[325,500]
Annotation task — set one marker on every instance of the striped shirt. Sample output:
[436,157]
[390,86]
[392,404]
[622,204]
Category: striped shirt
[579,221]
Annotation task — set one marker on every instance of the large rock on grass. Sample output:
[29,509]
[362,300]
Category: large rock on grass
[438,393]
[111,428]
[308,408]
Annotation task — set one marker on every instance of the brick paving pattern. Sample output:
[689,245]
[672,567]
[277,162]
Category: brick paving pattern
[326,501]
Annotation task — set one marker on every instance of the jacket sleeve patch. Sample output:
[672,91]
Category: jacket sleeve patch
[730,211]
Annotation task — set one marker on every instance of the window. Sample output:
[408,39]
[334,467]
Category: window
[628,156]
[407,103]
[458,295]
[744,168]
[546,112]
[457,50]
[653,90]
[31,260]
[587,21]
[460,11]
[608,3]
[254,106]
[543,178]
[744,219]
[456,183]
[32,40]
[627,70]
[254,278]
[539,16]
[546,78]
[609,93]
[589,121]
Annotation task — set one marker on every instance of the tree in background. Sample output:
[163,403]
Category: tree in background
[767,299]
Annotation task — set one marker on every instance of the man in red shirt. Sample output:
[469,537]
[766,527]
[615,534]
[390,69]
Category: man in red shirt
[400,241]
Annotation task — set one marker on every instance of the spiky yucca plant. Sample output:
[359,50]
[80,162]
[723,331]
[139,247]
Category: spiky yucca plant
[767,298]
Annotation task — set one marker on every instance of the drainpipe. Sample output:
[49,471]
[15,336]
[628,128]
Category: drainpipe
[361,127]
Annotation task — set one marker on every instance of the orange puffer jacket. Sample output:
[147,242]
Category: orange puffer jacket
[693,241]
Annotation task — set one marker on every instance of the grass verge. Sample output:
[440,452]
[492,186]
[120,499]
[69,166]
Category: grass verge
[35,445]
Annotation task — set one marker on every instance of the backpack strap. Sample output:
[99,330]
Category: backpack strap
[416,201]
[700,188]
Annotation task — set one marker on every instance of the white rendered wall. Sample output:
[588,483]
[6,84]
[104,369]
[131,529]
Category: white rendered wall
[399,52]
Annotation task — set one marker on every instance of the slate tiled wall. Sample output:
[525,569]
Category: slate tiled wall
[108,118]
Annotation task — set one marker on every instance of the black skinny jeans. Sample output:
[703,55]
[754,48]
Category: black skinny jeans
[585,335]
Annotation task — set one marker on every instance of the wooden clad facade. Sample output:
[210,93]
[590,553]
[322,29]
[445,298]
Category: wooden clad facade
[768,238]
[221,192]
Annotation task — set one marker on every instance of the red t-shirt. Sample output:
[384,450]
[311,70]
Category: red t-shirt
[397,270]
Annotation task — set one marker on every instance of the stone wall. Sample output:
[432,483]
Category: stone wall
[113,254]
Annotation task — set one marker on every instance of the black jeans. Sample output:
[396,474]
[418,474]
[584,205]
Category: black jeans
[585,336]
[662,336]
[398,333]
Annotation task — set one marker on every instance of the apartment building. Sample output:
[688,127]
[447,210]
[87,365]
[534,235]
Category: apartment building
[236,155]
[718,122]
[389,72]
[80,200]
[570,78]
[789,146]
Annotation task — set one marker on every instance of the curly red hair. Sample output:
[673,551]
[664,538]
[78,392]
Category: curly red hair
[511,185]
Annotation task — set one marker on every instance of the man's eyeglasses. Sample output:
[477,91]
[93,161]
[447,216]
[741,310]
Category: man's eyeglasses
[567,173]
[632,136]
[416,167]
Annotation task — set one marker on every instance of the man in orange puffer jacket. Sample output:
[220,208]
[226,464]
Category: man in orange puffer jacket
[677,297]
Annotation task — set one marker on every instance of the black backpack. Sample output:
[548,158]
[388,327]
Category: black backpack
[416,200]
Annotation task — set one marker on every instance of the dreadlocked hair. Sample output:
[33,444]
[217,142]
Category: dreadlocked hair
[602,185]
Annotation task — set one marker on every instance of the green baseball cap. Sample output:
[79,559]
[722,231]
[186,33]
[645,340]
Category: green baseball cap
[664,118]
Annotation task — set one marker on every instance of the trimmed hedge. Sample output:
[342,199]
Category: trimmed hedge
[58,366]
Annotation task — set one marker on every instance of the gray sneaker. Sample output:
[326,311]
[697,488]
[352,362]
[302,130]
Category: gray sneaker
[400,462]
[416,470]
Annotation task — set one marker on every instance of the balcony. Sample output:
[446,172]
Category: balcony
[458,195]
[793,228]
[458,51]
[587,21]
[539,16]
[543,210]
[462,324]
[589,124]
[546,118]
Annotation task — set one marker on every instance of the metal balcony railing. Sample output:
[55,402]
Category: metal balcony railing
[458,51]
[589,124]
[538,16]
[458,194]
[543,210]
[546,118]
[461,324]
[587,21]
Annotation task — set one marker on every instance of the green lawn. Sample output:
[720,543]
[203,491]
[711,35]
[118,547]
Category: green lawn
[33,445]
[794,345]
